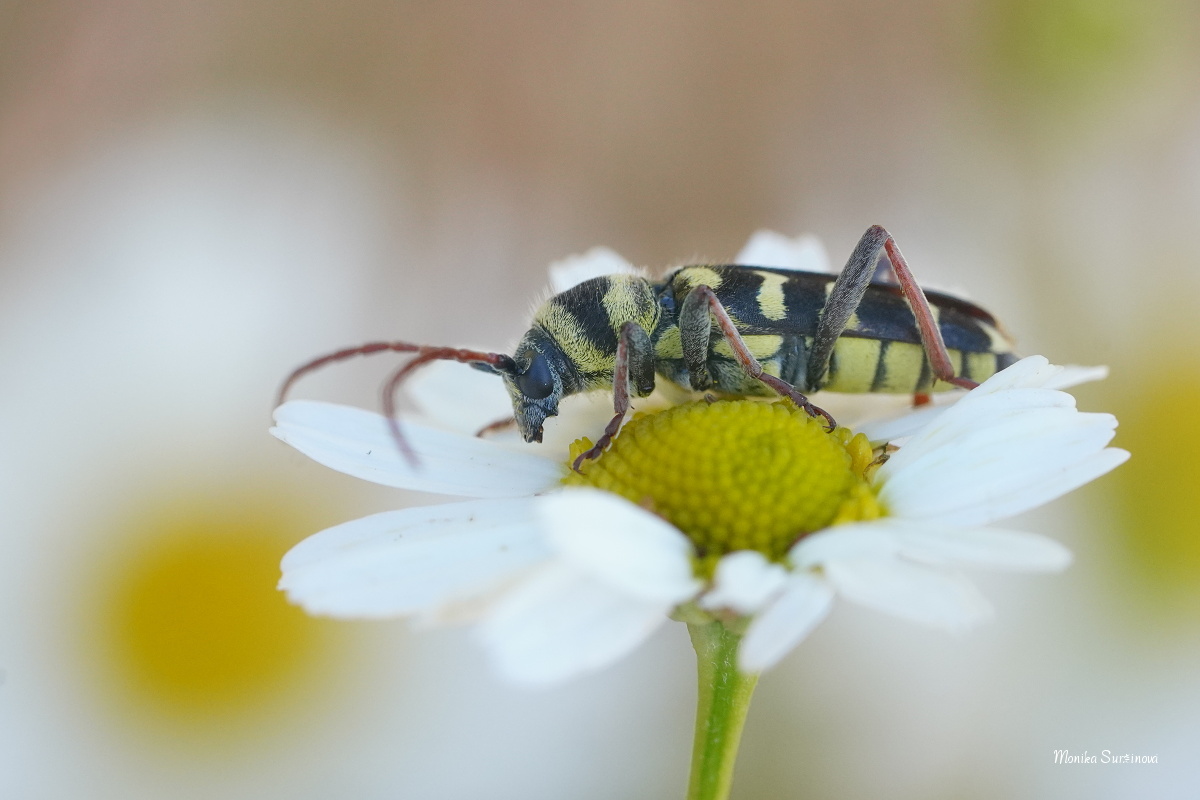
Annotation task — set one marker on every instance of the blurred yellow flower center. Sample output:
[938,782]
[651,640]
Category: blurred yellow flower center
[192,625]
[737,475]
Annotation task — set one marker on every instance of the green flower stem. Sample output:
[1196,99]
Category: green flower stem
[724,699]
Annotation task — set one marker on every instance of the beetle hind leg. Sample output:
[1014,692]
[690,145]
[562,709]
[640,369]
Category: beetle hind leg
[927,327]
[864,266]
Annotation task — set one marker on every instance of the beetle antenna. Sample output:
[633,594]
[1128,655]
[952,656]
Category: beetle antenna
[341,355]
[497,361]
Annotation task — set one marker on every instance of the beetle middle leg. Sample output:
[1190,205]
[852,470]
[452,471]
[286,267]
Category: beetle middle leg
[695,327]
[634,372]
[847,293]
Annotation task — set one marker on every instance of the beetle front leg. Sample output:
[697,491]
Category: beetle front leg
[700,307]
[634,372]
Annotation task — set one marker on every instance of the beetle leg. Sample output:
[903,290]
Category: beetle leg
[695,324]
[695,331]
[931,335]
[634,373]
[843,301]
[847,293]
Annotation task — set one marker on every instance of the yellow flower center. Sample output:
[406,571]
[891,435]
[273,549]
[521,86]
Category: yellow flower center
[737,475]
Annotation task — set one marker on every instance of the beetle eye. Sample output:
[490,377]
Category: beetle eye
[536,382]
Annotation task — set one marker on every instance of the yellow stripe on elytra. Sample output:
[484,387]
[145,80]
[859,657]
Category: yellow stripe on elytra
[698,276]
[629,298]
[771,303]
[569,334]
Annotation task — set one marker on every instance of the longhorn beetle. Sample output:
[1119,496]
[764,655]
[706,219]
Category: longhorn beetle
[869,329]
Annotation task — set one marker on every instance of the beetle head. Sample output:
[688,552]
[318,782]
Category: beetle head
[537,381]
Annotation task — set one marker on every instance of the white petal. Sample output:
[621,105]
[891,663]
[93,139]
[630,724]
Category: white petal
[993,429]
[744,581]
[910,591]
[989,548]
[988,506]
[358,443]
[931,425]
[457,397]
[413,560]
[976,413]
[1001,469]
[595,263]
[1034,372]
[771,249]
[562,622]
[986,548]
[614,541]
[1070,375]
[1029,372]
[856,540]
[902,426]
[802,605]
[998,452]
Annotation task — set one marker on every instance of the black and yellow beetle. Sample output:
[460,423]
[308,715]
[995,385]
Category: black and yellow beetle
[869,329]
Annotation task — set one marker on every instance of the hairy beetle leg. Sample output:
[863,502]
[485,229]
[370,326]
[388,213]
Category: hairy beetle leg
[634,371]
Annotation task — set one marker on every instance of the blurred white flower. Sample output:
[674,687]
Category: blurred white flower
[159,276]
[560,580]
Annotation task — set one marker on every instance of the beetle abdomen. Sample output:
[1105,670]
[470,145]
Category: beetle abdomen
[890,367]
[778,311]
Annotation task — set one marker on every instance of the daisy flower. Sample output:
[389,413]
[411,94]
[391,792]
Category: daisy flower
[743,518]
[562,573]
[563,578]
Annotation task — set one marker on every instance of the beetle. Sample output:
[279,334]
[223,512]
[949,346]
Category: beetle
[735,330]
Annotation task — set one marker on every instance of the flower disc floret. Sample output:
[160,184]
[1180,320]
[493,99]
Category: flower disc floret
[736,475]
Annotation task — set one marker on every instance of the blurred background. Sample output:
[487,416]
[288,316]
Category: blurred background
[194,198]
